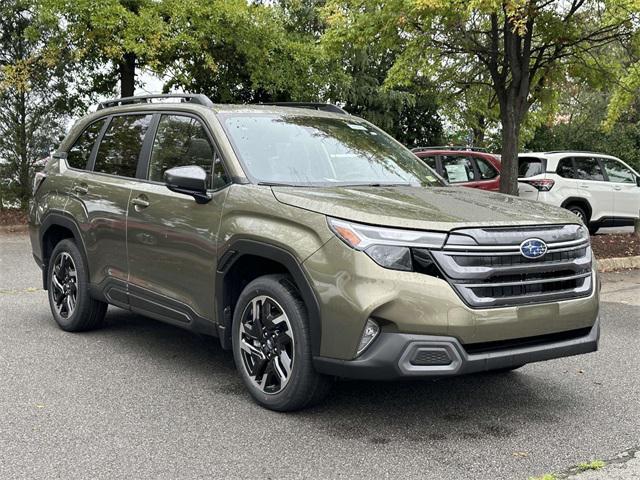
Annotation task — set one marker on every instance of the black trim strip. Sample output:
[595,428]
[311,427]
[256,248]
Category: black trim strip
[243,247]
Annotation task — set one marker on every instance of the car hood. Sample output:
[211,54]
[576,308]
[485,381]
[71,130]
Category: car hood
[437,208]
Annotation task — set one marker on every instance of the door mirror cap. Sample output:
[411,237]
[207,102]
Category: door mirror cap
[189,180]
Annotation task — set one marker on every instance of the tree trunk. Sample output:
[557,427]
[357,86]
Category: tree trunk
[510,141]
[478,132]
[24,170]
[127,70]
[636,227]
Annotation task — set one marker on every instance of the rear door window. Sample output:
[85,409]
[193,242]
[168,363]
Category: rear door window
[565,168]
[588,168]
[530,166]
[181,141]
[617,172]
[457,169]
[487,171]
[78,155]
[121,144]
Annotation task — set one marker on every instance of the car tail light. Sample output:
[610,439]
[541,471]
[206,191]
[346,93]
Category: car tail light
[542,185]
[38,178]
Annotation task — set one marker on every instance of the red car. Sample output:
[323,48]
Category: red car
[463,166]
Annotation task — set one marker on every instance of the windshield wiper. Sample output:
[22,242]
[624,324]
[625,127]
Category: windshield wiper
[279,184]
[377,185]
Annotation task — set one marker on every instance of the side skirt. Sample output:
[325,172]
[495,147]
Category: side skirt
[153,305]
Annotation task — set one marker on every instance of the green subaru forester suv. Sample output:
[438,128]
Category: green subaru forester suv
[309,242]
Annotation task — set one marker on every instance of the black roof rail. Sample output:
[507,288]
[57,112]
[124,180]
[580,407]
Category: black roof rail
[450,147]
[196,98]
[325,107]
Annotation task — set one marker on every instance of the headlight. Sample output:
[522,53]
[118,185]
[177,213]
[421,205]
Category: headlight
[388,247]
[390,256]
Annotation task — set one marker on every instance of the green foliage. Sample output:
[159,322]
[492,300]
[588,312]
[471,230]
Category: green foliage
[581,128]
[34,94]
[520,51]
[593,465]
[546,476]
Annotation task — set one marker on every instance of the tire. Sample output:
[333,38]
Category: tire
[579,212]
[68,286]
[273,354]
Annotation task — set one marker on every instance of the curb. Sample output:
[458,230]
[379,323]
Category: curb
[20,228]
[622,263]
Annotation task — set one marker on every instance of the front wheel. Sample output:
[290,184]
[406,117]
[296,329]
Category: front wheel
[272,346]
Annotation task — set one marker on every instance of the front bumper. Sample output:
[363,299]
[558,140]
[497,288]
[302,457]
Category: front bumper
[393,356]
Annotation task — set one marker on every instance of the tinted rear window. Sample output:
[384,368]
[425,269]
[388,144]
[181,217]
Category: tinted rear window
[120,146]
[530,166]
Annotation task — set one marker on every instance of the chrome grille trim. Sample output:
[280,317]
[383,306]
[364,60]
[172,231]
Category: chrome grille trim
[491,275]
[513,248]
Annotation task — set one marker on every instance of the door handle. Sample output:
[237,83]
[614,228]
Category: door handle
[140,202]
[584,185]
[617,188]
[81,189]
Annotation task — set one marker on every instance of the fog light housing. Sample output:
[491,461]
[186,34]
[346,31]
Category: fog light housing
[371,331]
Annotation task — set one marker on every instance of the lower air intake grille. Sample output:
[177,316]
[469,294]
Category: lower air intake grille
[426,356]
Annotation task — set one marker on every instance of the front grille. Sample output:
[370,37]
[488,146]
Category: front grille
[486,269]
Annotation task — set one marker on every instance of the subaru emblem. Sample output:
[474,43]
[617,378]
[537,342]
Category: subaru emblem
[533,248]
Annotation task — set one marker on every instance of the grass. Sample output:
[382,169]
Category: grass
[582,467]
[593,465]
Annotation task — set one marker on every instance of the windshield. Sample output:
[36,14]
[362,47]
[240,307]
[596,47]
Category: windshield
[311,151]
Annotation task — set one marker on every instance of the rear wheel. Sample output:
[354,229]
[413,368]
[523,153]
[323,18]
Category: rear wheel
[581,213]
[71,305]
[272,346]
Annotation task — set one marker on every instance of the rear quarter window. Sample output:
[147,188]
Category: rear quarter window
[78,155]
[565,168]
[530,166]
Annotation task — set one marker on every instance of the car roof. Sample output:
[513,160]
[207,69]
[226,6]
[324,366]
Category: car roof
[559,154]
[471,153]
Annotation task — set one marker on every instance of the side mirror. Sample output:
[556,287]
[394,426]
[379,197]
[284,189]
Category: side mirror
[638,180]
[59,155]
[190,180]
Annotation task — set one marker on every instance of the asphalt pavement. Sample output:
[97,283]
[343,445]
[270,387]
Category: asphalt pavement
[139,399]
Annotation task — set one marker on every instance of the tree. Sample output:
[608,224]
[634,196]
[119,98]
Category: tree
[34,92]
[111,39]
[519,49]
[353,76]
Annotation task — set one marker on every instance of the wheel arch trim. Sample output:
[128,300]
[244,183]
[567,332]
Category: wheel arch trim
[580,201]
[61,219]
[242,247]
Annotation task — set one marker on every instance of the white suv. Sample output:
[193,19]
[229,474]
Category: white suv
[602,190]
